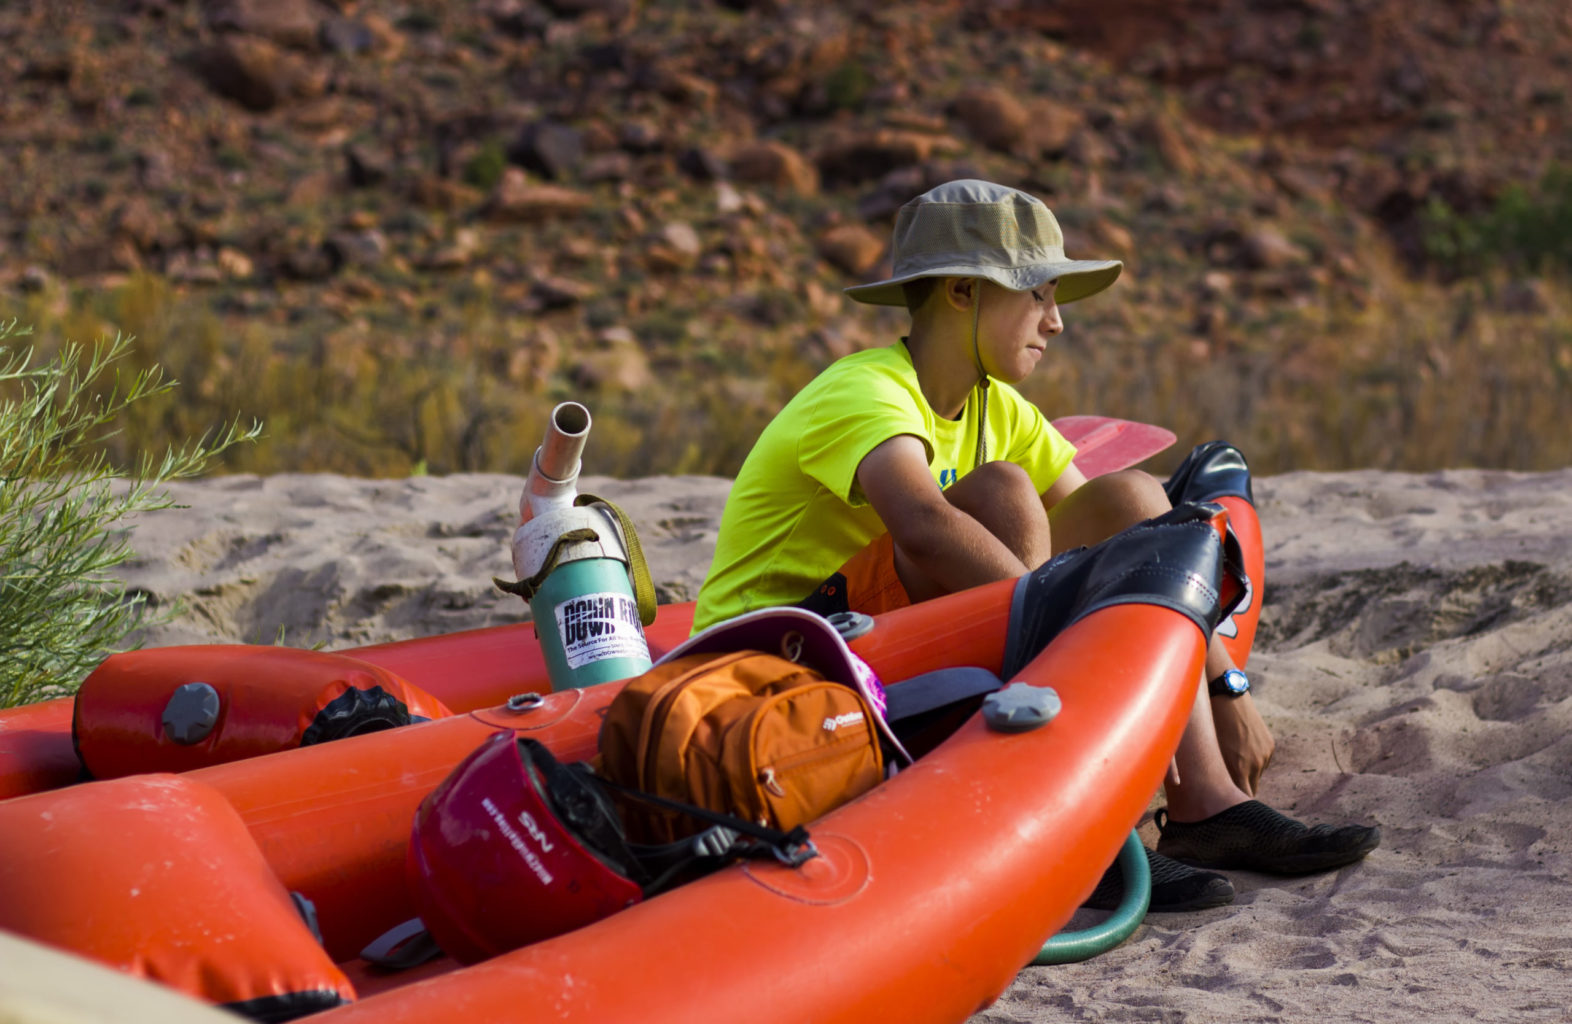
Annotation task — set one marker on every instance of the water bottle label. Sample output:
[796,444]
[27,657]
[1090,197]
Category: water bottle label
[595,627]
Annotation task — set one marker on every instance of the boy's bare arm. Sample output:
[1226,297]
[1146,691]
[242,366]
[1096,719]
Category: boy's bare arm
[946,545]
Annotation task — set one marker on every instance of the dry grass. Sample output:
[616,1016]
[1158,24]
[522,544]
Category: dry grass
[1419,376]
[1409,376]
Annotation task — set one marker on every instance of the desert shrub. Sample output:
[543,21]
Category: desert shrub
[65,509]
[847,85]
[484,169]
[1535,226]
[1527,228]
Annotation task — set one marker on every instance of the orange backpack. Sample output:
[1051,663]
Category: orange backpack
[745,733]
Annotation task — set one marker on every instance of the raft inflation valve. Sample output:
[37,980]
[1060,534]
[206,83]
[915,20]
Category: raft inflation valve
[579,566]
[1020,707]
[851,625]
[191,713]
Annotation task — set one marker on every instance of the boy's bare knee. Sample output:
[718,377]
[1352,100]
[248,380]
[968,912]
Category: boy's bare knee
[1140,493]
[1002,497]
[1104,505]
[1004,478]
[991,485]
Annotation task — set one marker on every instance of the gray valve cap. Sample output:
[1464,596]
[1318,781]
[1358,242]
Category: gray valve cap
[191,713]
[851,625]
[1020,707]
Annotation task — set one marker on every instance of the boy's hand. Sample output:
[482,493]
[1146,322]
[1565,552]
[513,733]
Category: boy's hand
[1246,742]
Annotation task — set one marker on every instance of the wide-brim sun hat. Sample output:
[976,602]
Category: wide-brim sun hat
[972,228]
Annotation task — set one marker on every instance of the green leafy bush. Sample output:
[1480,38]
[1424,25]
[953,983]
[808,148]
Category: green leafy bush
[1536,226]
[847,85]
[64,509]
[485,168]
[1526,229]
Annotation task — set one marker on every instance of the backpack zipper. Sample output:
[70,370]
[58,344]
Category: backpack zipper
[804,759]
[837,749]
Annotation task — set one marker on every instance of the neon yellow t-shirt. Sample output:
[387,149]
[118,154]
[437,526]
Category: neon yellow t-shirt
[795,515]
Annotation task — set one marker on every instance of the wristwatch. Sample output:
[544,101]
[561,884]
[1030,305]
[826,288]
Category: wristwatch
[1233,683]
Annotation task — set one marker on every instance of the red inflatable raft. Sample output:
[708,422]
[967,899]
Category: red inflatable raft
[929,893]
[262,699]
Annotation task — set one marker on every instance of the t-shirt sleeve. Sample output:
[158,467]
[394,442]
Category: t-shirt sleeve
[848,421]
[1035,445]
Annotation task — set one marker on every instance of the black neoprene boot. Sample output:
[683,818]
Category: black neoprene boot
[1176,887]
[1253,837]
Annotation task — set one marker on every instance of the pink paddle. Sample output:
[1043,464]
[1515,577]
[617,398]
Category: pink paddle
[1105,444]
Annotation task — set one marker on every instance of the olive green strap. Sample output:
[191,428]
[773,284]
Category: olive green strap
[527,589]
[638,568]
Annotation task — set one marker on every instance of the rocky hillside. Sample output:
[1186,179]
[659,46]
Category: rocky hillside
[399,230]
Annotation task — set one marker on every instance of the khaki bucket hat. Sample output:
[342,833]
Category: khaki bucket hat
[971,228]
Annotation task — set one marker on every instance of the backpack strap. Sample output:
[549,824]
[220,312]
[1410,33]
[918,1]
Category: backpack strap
[662,864]
[792,849]
[922,711]
[937,689]
[578,797]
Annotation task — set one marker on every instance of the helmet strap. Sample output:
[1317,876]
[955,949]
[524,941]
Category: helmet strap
[790,848]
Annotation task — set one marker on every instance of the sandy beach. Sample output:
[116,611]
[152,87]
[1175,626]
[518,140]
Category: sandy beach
[1414,662]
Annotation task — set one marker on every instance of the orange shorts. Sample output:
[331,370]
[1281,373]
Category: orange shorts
[867,583]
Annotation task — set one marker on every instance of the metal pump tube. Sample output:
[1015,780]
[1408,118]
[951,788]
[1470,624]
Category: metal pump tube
[554,473]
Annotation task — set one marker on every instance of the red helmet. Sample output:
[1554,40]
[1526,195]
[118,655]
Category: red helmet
[505,852]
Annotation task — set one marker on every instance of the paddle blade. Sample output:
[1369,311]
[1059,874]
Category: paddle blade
[1104,444]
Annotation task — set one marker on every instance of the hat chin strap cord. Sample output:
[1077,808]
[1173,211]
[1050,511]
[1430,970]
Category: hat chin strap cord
[982,412]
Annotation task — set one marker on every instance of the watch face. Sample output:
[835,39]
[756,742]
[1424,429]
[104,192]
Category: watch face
[1236,682]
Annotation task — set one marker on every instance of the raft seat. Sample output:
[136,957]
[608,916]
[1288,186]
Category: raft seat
[175,709]
[158,877]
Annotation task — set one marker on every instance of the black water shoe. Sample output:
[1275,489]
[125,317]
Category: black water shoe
[1176,887]
[1253,837]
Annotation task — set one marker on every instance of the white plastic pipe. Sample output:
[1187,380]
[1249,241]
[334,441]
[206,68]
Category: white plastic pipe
[554,473]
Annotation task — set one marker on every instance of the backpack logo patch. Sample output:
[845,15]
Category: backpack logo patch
[835,722]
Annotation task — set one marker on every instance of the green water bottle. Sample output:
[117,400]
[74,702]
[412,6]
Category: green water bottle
[585,612]
[574,562]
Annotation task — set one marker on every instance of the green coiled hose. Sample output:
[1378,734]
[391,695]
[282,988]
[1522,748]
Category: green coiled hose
[1073,947]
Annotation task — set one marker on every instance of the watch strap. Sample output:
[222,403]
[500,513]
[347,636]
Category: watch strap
[1218,686]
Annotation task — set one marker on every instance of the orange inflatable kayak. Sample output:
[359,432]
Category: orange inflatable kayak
[239,701]
[929,893]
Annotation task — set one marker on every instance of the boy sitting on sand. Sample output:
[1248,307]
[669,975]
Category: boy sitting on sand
[908,472]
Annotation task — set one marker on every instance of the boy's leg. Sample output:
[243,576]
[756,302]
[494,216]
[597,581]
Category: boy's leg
[1103,506]
[1000,496]
[1096,511]
[1092,513]
[1211,820]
